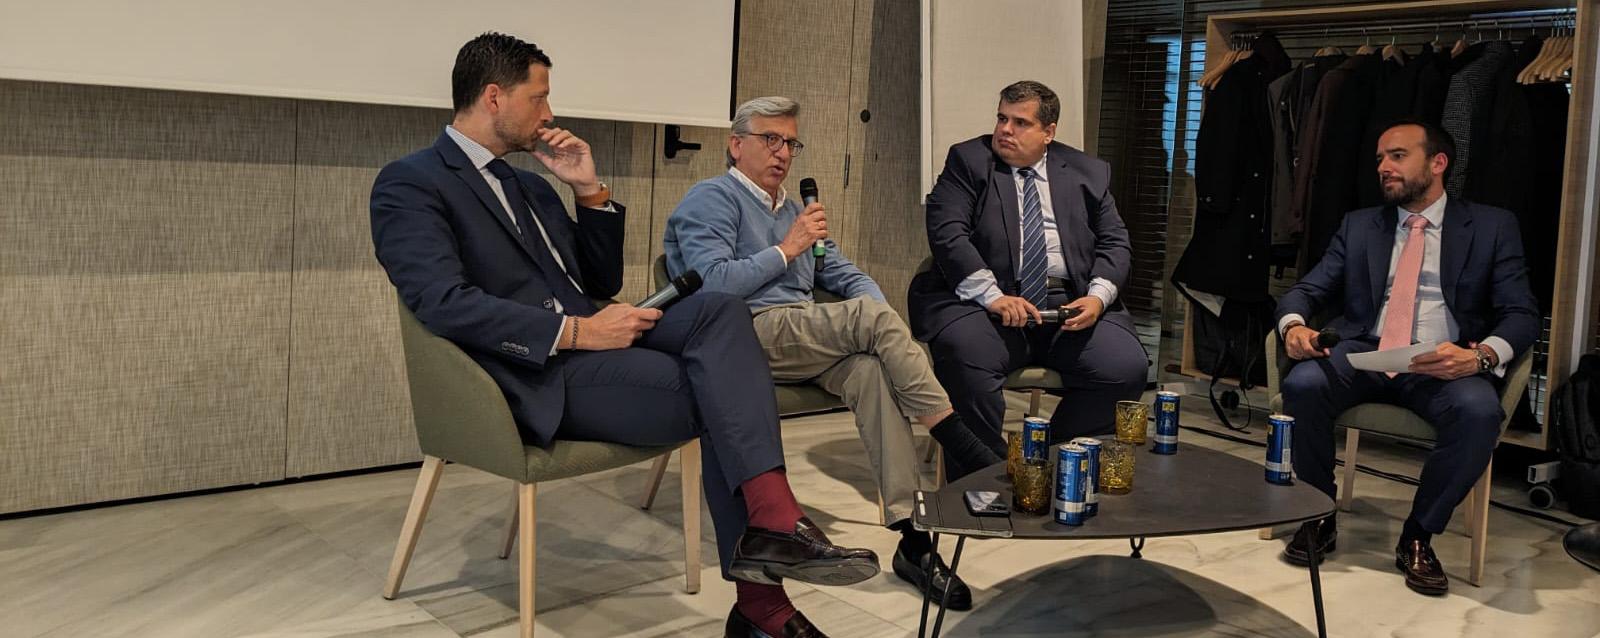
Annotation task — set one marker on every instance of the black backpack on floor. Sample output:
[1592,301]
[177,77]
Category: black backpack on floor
[1573,410]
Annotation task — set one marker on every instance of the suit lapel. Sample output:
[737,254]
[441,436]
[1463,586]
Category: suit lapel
[1455,243]
[456,159]
[1068,212]
[1005,188]
[1379,252]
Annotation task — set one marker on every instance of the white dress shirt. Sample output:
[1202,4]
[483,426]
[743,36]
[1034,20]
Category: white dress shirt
[982,287]
[480,158]
[1432,321]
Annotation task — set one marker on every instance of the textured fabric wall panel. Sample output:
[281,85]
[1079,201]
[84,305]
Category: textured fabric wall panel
[349,406]
[144,273]
[890,233]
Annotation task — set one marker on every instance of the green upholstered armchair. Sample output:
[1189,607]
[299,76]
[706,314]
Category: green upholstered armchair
[461,417]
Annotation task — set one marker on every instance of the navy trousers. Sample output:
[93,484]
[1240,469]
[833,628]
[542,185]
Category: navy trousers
[1466,412]
[1099,367]
[701,373]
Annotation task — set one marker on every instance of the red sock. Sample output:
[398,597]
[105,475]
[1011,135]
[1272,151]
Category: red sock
[770,502]
[767,606]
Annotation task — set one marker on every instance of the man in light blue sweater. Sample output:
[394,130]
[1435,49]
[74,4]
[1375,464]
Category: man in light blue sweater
[745,237]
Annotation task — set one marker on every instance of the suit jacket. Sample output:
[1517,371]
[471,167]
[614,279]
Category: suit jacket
[1228,252]
[458,263]
[972,217]
[1481,271]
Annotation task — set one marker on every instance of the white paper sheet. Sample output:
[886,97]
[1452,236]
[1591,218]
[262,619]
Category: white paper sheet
[1396,360]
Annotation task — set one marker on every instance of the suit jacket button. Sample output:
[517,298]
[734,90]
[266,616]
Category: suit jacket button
[549,304]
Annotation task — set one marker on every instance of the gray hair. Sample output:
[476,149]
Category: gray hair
[769,106]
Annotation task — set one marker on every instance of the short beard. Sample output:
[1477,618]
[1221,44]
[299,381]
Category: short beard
[508,138]
[1410,191]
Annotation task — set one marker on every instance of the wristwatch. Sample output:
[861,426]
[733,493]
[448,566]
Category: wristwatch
[1485,362]
[596,200]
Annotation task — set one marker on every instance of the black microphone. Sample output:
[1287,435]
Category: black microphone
[808,196]
[1328,338]
[1055,315]
[683,286]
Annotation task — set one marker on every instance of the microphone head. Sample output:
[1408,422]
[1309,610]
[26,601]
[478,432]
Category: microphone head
[687,283]
[1328,338]
[808,189]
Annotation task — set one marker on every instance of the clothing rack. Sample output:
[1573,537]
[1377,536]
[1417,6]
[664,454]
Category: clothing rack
[1535,20]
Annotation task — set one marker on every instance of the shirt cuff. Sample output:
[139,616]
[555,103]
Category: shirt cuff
[1283,324]
[980,287]
[556,344]
[782,256]
[1502,350]
[1103,289]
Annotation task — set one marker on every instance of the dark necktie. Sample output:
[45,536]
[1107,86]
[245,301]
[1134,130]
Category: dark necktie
[572,300]
[1035,265]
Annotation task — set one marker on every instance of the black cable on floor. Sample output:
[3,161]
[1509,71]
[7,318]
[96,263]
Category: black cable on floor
[1398,478]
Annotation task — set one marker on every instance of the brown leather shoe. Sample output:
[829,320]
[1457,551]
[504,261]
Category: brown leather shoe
[1424,574]
[797,627]
[767,557]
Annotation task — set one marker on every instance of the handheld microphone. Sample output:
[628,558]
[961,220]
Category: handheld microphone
[1055,315]
[808,196]
[683,286]
[1328,338]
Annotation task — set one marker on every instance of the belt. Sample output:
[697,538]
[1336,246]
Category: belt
[1055,283]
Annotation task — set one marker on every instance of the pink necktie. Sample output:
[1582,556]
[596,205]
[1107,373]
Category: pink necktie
[1403,292]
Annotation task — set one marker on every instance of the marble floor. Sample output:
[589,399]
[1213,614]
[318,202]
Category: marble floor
[307,559]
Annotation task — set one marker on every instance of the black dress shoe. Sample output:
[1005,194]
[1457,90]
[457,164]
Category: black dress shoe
[797,627]
[767,557]
[1298,551]
[1424,574]
[913,572]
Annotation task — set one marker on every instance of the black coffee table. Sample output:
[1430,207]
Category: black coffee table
[1196,491]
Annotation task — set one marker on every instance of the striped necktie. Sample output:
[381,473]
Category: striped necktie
[1034,264]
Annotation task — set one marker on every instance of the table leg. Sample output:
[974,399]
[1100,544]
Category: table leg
[928,562]
[944,601]
[1138,546]
[1314,550]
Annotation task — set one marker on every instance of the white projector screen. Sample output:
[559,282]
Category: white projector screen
[628,60]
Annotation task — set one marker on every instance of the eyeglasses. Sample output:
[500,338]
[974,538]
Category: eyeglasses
[776,141]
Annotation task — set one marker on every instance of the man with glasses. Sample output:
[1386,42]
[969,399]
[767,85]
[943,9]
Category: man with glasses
[745,237]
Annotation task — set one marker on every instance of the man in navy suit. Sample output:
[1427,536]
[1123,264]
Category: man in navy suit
[486,256]
[1018,222]
[1424,268]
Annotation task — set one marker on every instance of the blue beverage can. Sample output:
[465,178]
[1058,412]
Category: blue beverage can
[1280,449]
[1036,439]
[1091,499]
[1072,468]
[1166,439]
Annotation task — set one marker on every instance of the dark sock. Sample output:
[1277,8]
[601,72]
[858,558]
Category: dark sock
[962,447]
[770,502]
[913,544]
[766,606]
[1412,531]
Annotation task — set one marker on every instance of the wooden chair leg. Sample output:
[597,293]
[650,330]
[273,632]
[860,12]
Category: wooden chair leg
[1347,492]
[938,466]
[1034,396]
[510,539]
[658,470]
[689,459]
[421,498]
[1478,525]
[527,494]
[933,448]
[1269,533]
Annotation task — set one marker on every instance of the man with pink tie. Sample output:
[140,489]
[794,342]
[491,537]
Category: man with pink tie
[1424,268]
